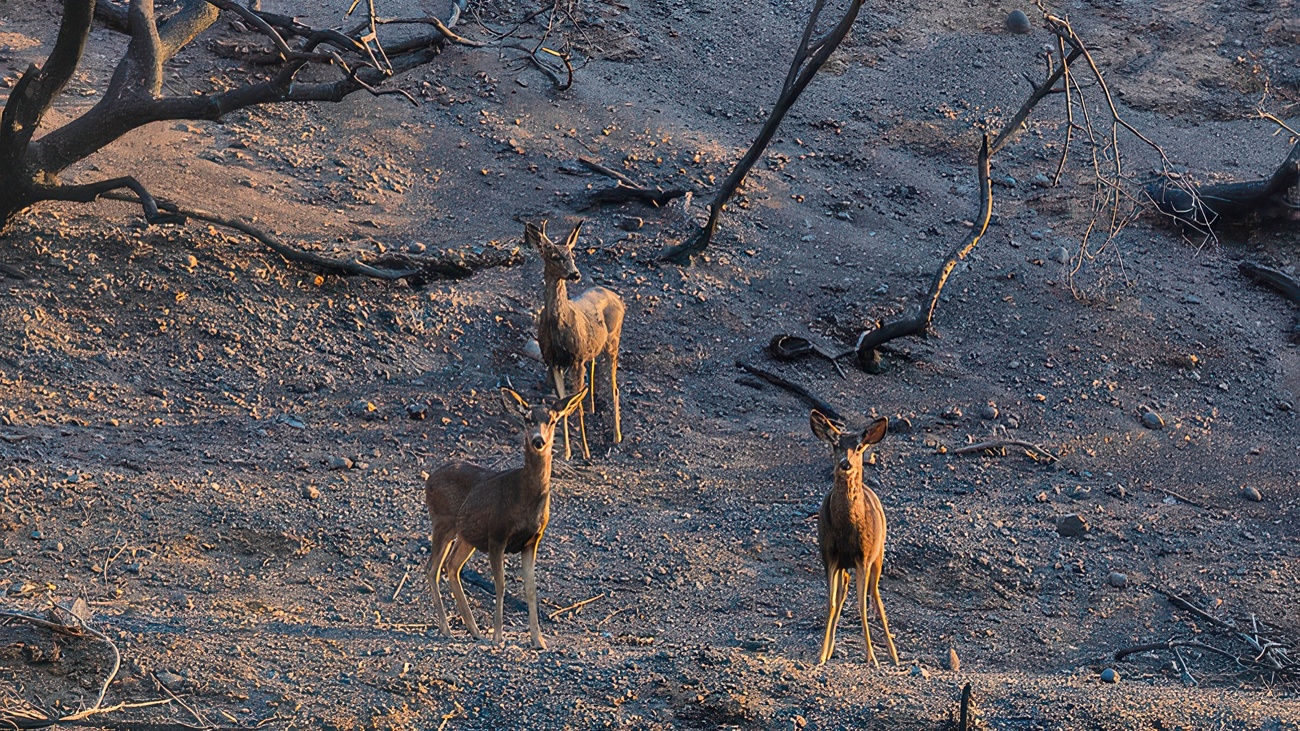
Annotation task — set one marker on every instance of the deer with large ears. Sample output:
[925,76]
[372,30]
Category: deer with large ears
[473,507]
[851,531]
[572,334]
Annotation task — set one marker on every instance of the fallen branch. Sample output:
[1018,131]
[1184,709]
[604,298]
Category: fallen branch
[811,398]
[626,189]
[1000,443]
[1287,285]
[813,51]
[1202,206]
[418,270]
[575,606]
[916,319]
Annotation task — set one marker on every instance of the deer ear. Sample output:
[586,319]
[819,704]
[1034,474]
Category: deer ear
[514,402]
[572,404]
[823,428]
[573,236]
[875,431]
[535,236]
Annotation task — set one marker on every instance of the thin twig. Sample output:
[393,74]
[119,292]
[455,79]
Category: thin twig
[574,607]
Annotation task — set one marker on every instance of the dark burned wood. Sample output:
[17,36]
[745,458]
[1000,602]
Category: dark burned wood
[626,189]
[30,168]
[808,396]
[916,319]
[814,52]
[1286,285]
[966,718]
[1203,206]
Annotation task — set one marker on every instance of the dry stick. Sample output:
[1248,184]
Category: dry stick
[575,606]
[1182,499]
[794,388]
[916,320]
[627,189]
[999,443]
[966,719]
[206,723]
[815,52]
[400,584]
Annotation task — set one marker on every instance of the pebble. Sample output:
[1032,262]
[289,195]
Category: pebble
[1117,580]
[989,411]
[37,535]
[180,599]
[1252,494]
[952,414]
[416,248]
[1018,22]
[920,672]
[1062,255]
[339,463]
[1042,181]
[417,412]
[1109,676]
[362,408]
[1071,526]
[311,492]
[133,568]
[1152,420]
[169,679]
[954,662]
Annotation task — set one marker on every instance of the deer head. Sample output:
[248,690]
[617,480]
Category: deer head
[557,258]
[845,449]
[539,421]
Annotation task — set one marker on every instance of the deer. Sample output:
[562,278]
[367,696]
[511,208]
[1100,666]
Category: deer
[851,531]
[497,512]
[572,334]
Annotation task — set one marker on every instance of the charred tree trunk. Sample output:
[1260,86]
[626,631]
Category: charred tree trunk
[1203,206]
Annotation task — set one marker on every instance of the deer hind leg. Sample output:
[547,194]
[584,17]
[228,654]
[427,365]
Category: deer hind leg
[460,553]
[873,585]
[530,593]
[441,545]
[591,378]
[613,387]
[557,375]
[582,418]
[862,607]
[497,556]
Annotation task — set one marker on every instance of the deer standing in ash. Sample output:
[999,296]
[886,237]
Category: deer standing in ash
[572,334]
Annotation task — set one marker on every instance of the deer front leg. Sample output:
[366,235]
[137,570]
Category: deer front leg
[557,375]
[441,545]
[873,585]
[613,386]
[591,378]
[497,556]
[862,607]
[530,593]
[832,586]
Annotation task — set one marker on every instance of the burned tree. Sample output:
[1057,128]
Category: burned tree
[30,167]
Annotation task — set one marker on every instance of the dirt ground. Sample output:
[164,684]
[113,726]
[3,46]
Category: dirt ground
[172,398]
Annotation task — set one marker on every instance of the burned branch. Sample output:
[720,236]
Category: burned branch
[1285,284]
[626,189]
[809,57]
[809,397]
[1203,206]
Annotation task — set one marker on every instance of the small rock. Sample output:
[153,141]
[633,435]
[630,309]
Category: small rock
[417,412]
[533,350]
[133,568]
[1041,497]
[339,463]
[1036,235]
[1071,526]
[920,672]
[952,414]
[954,662]
[311,492]
[169,679]
[1062,255]
[900,425]
[1042,181]
[180,599]
[1252,494]
[1152,420]
[1005,181]
[72,478]
[844,216]
[989,411]
[631,223]
[416,248]
[1117,580]
[1109,676]
[362,408]
[37,535]
[1018,22]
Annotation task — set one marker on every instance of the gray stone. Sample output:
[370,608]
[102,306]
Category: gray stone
[920,672]
[1252,494]
[1042,181]
[1152,420]
[37,535]
[1109,676]
[417,412]
[339,463]
[311,492]
[1018,22]
[1071,526]
[180,599]
[989,411]
[1117,580]
[169,679]
[1062,255]
[362,408]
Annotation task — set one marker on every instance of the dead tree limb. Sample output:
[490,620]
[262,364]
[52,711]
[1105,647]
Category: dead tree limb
[917,318]
[1287,285]
[1203,206]
[811,398]
[809,57]
[626,189]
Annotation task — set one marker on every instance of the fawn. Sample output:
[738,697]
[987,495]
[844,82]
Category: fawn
[851,531]
[573,333]
[473,507]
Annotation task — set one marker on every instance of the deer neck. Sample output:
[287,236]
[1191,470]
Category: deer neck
[850,486]
[536,475]
[557,295]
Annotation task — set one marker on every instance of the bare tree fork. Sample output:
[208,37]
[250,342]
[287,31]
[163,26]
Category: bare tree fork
[1287,285]
[626,189]
[418,270]
[1203,206]
[916,319]
[809,397]
[30,168]
[809,57]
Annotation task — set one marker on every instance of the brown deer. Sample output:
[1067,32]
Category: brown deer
[472,507]
[573,333]
[851,531]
